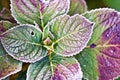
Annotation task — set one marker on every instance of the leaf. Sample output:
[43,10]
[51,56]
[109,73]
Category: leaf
[5,14]
[77,6]
[8,65]
[70,34]
[40,11]
[24,43]
[58,68]
[101,58]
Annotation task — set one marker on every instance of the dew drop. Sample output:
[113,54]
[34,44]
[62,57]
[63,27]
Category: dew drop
[107,35]
[112,51]
[84,65]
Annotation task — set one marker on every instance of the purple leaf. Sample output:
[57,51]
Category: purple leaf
[59,68]
[101,58]
[39,11]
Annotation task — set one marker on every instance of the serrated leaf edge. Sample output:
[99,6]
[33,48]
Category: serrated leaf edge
[87,40]
[100,9]
[13,28]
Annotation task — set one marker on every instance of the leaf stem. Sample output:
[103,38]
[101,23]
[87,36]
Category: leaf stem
[103,46]
[51,64]
[41,19]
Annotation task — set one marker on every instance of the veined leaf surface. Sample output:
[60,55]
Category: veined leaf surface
[40,11]
[70,34]
[58,68]
[77,7]
[8,65]
[101,58]
[24,43]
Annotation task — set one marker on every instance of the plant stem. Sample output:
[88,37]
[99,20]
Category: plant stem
[41,18]
[51,64]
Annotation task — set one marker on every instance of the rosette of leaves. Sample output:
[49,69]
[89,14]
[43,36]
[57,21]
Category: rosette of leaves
[60,46]
[47,37]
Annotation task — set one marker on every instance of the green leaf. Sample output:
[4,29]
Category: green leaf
[8,65]
[58,68]
[70,34]
[101,58]
[40,11]
[24,43]
[77,6]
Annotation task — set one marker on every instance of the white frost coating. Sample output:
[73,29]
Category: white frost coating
[13,11]
[60,7]
[45,1]
[110,23]
[79,33]
[100,10]
[24,60]
[80,73]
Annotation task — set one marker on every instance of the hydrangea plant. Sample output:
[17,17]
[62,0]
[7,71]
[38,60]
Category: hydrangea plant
[61,40]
